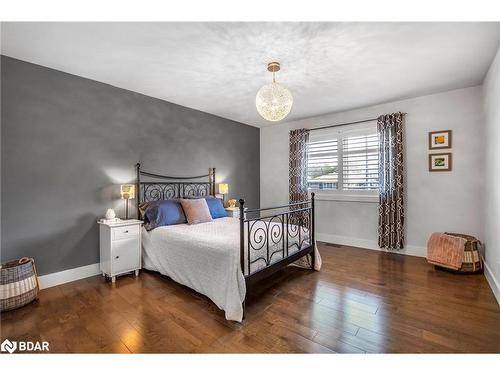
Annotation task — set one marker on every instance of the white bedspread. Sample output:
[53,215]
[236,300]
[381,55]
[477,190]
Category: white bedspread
[206,258]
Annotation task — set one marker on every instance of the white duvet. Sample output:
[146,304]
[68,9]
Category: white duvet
[206,258]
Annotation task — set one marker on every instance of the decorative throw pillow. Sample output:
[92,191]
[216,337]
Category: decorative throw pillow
[196,211]
[143,206]
[161,213]
[216,207]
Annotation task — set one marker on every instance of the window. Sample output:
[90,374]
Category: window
[345,160]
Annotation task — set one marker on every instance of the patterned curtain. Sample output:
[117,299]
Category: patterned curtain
[298,165]
[298,188]
[391,183]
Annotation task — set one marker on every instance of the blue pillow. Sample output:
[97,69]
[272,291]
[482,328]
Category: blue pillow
[161,213]
[216,208]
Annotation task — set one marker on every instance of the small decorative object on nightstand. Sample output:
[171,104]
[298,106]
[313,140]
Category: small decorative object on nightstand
[110,214]
[231,203]
[120,247]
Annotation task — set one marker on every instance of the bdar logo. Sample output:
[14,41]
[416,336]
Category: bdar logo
[24,346]
[8,346]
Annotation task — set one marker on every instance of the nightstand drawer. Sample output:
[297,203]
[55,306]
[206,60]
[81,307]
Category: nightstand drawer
[123,232]
[125,256]
[234,212]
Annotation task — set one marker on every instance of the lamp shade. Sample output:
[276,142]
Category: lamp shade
[274,101]
[127,191]
[223,188]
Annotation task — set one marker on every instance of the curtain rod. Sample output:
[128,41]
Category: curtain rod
[347,123]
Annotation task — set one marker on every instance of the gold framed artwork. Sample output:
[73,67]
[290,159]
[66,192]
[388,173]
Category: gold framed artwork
[440,162]
[439,139]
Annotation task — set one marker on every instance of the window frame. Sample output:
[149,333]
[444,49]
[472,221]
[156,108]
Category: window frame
[341,194]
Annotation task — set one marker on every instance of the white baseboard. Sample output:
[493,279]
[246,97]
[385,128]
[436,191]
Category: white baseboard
[417,251]
[66,276]
[492,280]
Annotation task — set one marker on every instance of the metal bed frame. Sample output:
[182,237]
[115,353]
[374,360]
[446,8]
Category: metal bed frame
[278,225]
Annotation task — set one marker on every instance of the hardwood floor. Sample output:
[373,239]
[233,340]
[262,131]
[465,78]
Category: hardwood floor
[361,301]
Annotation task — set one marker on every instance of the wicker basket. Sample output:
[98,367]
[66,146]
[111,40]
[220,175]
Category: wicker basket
[472,257]
[19,283]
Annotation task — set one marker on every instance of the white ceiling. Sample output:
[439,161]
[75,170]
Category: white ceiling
[219,67]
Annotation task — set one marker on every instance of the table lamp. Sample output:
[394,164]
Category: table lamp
[127,191]
[223,189]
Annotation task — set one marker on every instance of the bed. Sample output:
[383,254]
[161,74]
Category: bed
[224,258]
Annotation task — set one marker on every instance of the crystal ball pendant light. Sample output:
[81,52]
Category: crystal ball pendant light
[274,100]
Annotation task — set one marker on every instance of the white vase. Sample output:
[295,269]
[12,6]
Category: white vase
[110,214]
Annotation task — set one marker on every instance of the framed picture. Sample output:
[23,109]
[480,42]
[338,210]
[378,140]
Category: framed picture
[439,139]
[440,162]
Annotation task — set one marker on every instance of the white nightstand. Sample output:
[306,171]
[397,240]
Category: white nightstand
[120,247]
[233,212]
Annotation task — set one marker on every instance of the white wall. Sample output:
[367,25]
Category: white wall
[445,201]
[491,95]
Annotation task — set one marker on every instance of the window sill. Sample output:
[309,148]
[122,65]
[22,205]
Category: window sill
[346,197]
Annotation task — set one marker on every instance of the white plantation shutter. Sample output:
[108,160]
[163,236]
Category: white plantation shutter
[360,162]
[322,164]
[343,160]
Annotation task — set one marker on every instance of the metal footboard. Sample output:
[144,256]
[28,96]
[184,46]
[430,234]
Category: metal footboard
[272,238]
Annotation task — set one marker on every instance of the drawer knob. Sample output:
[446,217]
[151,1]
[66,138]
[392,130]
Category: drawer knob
[116,257]
[126,231]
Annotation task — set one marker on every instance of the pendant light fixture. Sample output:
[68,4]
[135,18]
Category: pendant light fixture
[274,100]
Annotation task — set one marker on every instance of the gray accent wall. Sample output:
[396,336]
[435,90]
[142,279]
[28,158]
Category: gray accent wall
[69,142]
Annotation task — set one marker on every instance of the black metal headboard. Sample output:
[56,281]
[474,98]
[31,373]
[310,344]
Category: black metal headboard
[169,187]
